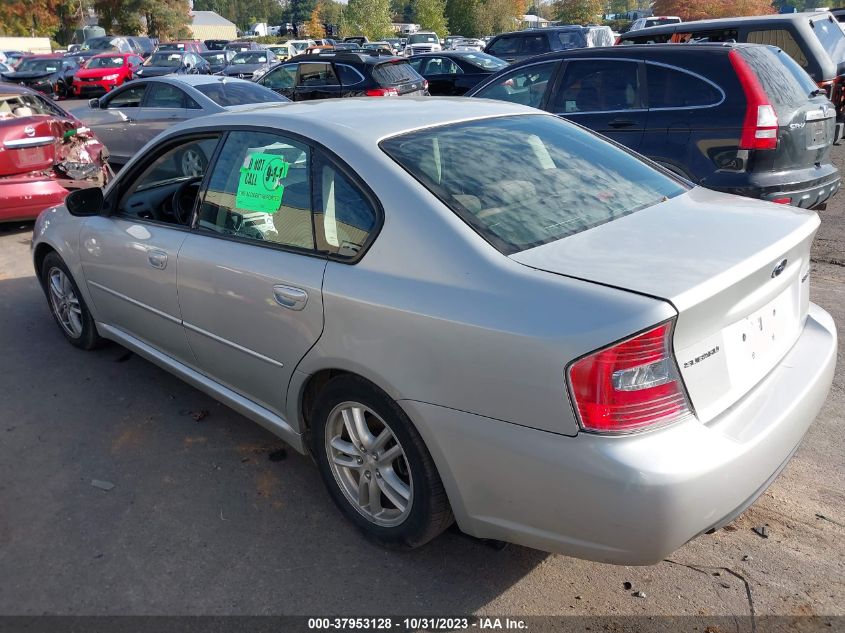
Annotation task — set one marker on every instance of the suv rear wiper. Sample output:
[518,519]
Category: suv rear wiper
[817,92]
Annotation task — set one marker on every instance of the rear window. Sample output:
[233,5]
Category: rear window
[831,37]
[661,21]
[228,93]
[553,179]
[394,73]
[787,85]
[571,39]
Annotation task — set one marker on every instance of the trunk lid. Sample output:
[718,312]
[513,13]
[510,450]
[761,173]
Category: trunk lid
[719,260]
[28,144]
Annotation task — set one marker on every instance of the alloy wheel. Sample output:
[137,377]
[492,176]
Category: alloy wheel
[65,303]
[369,464]
[192,163]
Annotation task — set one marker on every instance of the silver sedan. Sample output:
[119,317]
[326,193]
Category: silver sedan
[463,310]
[127,118]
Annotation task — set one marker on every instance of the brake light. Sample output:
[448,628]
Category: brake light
[781,200]
[630,385]
[382,92]
[760,128]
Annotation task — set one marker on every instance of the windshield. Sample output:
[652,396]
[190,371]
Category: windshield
[169,60]
[423,38]
[552,180]
[215,58]
[229,93]
[250,57]
[661,21]
[38,65]
[97,44]
[299,46]
[105,62]
[171,47]
[485,61]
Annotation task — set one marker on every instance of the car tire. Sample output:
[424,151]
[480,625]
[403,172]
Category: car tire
[191,162]
[369,486]
[67,304]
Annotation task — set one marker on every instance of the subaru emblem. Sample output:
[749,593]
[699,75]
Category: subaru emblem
[779,268]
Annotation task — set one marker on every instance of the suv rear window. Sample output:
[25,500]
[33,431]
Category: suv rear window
[393,73]
[831,37]
[553,178]
[786,84]
[781,38]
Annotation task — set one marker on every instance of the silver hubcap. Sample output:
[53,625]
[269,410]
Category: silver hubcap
[191,163]
[65,303]
[369,464]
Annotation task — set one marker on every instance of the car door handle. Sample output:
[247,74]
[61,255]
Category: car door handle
[157,259]
[289,297]
[618,123]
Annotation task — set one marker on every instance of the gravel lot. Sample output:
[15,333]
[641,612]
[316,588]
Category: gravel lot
[201,520]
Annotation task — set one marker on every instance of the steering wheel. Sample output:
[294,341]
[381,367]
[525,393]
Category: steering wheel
[182,202]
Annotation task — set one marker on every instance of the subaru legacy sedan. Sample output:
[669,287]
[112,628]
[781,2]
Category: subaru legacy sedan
[464,310]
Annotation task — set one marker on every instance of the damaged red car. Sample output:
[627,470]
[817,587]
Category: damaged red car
[45,152]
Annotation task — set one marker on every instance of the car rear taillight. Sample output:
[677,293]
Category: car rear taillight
[382,92]
[784,200]
[760,128]
[629,386]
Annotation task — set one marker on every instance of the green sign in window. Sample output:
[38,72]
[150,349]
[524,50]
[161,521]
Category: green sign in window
[261,186]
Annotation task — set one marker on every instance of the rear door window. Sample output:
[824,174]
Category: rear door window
[526,85]
[163,95]
[781,38]
[598,86]
[674,88]
[317,74]
[535,44]
[442,66]
[129,97]
[260,190]
[348,75]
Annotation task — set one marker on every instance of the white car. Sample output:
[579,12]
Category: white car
[654,20]
[422,42]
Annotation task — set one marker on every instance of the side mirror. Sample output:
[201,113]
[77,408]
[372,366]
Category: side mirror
[85,202]
[94,104]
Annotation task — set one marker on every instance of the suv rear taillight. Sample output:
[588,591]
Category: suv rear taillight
[629,386]
[382,92]
[760,128]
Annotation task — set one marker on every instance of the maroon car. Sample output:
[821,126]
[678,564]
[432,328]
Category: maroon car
[45,152]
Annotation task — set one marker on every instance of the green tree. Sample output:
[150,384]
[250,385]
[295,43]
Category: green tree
[167,19]
[301,10]
[579,11]
[367,17]
[498,16]
[431,16]
[462,17]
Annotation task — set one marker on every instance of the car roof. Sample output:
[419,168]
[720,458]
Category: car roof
[363,57]
[638,51]
[332,122]
[775,18]
[194,80]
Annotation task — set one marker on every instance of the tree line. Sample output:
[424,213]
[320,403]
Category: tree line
[169,19]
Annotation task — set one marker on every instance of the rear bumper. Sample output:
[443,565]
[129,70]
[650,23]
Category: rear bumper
[630,499]
[24,199]
[806,188]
